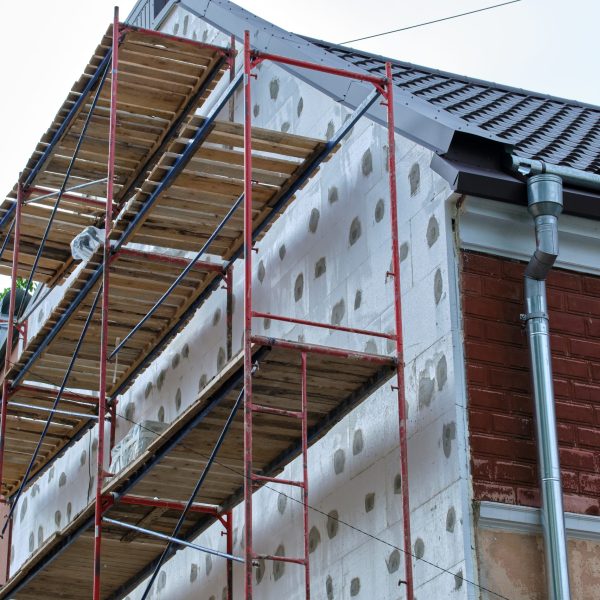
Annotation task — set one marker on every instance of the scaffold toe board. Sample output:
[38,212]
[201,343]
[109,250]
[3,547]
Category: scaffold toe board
[168,468]
[162,79]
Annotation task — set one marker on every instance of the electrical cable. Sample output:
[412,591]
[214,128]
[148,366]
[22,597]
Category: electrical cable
[470,12]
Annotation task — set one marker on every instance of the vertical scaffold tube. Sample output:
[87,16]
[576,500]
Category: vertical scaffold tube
[248,483]
[10,325]
[305,472]
[100,473]
[398,328]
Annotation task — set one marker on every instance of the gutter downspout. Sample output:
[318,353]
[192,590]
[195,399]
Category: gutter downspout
[544,193]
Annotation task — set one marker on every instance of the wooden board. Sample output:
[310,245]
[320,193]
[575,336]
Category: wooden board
[158,78]
[335,386]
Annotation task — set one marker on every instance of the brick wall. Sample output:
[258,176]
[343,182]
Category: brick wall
[500,405]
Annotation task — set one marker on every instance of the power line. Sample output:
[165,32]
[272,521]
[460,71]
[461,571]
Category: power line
[471,12]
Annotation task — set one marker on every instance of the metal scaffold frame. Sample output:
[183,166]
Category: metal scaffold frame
[383,91]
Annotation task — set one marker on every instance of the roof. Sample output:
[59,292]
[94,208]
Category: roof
[559,131]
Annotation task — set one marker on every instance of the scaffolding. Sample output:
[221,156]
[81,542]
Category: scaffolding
[185,182]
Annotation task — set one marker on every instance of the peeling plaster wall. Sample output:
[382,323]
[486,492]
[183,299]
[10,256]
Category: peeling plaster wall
[326,259]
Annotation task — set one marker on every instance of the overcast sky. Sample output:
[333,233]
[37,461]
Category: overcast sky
[544,45]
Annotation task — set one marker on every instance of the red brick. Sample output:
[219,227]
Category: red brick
[486,398]
[528,497]
[476,374]
[565,280]
[474,328]
[577,459]
[596,372]
[498,354]
[509,379]
[590,483]
[514,425]
[586,392]
[559,344]
[593,327]
[570,367]
[492,445]
[523,449]
[589,436]
[584,304]
[481,263]
[556,299]
[591,285]
[479,306]
[507,333]
[483,469]
[494,492]
[570,481]
[586,349]
[503,289]
[480,420]
[515,472]
[562,387]
[566,433]
[579,413]
[471,283]
[577,503]
[522,404]
[568,323]
[513,269]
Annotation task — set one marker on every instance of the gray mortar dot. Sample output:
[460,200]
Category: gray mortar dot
[404,251]
[23,510]
[441,372]
[298,287]
[329,587]
[186,22]
[333,195]
[194,36]
[330,130]
[260,570]
[224,593]
[178,399]
[339,461]
[320,267]
[314,539]
[448,434]
[274,88]
[40,535]
[282,251]
[162,580]
[35,490]
[40,316]
[285,126]
[337,312]
[357,299]
[371,347]
[82,457]
[332,524]
[393,561]
[69,511]
[426,389]
[90,487]
[379,210]
[261,271]
[278,566]
[185,351]
[313,222]
[193,572]
[369,501]
[355,586]
[57,518]
[267,323]
[414,178]
[221,358]
[366,163]
[355,231]
[175,28]
[281,503]
[438,286]
[148,389]
[205,35]
[175,360]
[208,562]
[95,445]
[300,106]
[216,317]
[450,519]
[62,480]
[358,442]
[31,542]
[419,549]
[458,579]
[398,484]
[256,110]
[130,411]
[212,597]
[433,231]
[202,381]
[161,414]
[160,380]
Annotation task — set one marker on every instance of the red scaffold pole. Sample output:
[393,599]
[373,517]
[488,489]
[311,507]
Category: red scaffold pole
[304,410]
[248,486]
[389,89]
[100,472]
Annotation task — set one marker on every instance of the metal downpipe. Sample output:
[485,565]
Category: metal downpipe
[544,194]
